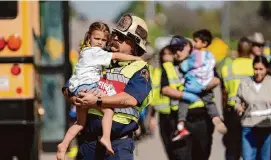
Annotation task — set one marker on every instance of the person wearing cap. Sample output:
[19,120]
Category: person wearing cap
[130,84]
[197,121]
[199,75]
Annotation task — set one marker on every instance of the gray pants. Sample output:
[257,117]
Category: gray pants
[207,98]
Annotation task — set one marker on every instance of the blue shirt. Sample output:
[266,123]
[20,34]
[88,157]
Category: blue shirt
[139,85]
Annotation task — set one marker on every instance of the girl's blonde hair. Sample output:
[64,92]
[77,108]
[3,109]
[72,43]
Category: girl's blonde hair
[94,26]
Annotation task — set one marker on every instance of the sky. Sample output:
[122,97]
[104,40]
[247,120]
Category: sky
[107,10]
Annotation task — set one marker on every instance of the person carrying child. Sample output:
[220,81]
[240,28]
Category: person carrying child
[198,71]
[87,73]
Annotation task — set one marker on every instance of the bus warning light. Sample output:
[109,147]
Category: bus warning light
[2,43]
[19,90]
[14,42]
[15,70]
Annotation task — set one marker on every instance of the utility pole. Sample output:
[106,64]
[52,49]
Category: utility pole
[149,11]
[225,21]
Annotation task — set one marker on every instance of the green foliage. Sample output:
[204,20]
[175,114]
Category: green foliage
[154,32]
[138,8]
[159,8]
[209,19]
[265,10]
[135,7]
[75,14]
[233,44]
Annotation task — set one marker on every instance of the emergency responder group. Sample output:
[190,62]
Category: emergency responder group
[197,145]
[180,90]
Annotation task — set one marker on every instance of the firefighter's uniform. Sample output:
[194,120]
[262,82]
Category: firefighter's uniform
[132,78]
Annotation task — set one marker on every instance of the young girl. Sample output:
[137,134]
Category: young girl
[86,77]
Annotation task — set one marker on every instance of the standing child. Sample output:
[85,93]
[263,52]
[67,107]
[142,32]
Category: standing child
[86,77]
[199,76]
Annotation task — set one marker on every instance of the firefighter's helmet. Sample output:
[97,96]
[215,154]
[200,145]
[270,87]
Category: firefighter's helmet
[134,28]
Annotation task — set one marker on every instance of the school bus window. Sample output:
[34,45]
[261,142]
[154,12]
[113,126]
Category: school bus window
[8,9]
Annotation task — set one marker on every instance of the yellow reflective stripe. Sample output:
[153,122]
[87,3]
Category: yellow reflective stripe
[161,106]
[174,108]
[232,76]
[233,100]
[129,111]
[123,119]
[174,102]
[231,103]
[155,86]
[160,99]
[240,68]
[174,81]
[169,67]
[129,70]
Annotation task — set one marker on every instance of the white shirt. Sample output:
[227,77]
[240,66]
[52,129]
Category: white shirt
[88,68]
[257,86]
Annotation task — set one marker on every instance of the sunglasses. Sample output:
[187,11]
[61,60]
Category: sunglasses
[257,45]
[122,37]
[175,49]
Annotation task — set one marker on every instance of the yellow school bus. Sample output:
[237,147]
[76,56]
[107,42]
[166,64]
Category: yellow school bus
[16,49]
[18,21]
[34,64]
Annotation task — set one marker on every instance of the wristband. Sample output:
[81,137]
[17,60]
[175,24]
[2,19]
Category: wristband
[99,102]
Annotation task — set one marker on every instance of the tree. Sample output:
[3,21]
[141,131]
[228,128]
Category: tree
[137,8]
[209,19]
[265,10]
[181,20]
[75,14]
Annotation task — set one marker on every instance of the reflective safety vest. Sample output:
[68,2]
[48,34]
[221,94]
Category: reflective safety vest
[173,74]
[226,61]
[175,81]
[114,81]
[232,75]
[162,103]
[155,74]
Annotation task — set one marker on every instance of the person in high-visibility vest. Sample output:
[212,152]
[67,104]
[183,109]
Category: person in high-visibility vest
[199,75]
[226,60]
[198,123]
[231,76]
[161,104]
[166,107]
[129,87]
